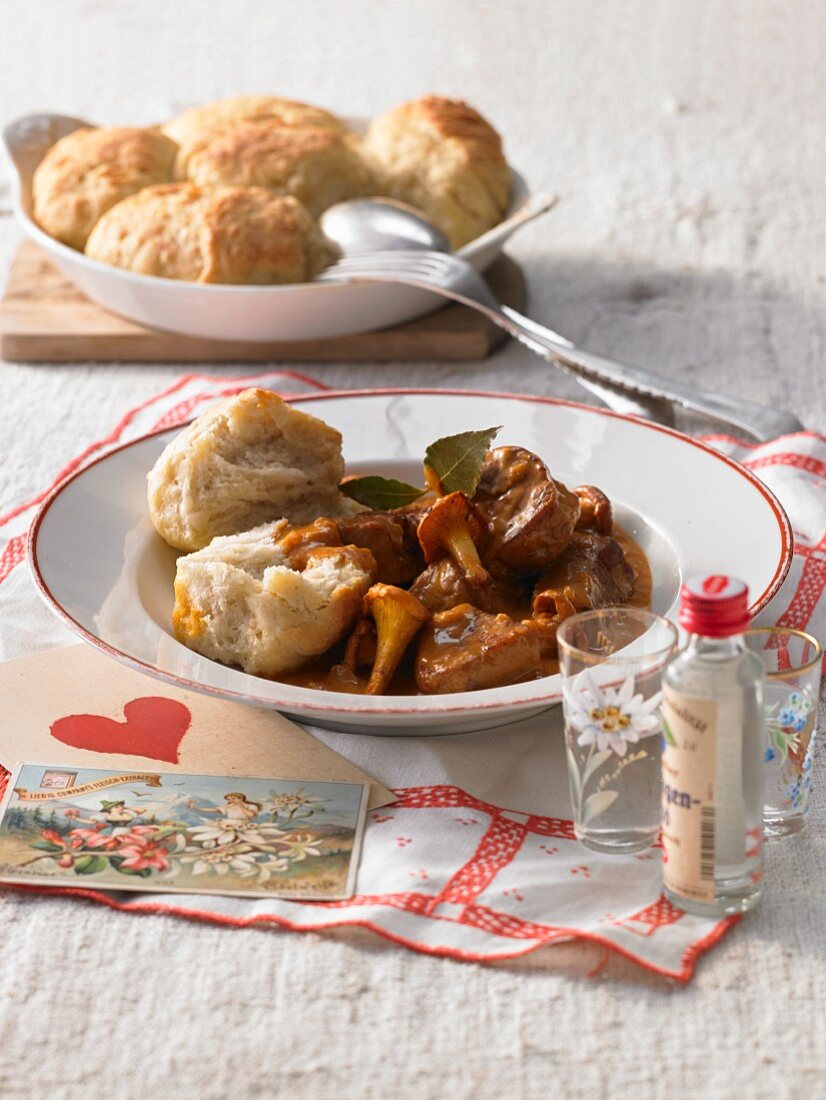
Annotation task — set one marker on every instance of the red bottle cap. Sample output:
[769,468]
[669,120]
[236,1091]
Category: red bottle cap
[714,605]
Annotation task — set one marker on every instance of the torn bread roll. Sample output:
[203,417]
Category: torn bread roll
[250,459]
[239,601]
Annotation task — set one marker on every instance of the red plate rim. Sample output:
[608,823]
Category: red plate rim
[783,567]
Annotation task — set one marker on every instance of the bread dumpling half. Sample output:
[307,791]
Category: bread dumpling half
[250,459]
[443,157]
[86,172]
[236,235]
[239,601]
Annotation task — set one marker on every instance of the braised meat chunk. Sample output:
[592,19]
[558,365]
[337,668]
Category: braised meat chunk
[530,516]
[391,538]
[465,649]
[592,572]
[443,585]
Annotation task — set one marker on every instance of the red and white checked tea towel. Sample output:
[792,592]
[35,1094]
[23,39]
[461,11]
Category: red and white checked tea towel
[486,875]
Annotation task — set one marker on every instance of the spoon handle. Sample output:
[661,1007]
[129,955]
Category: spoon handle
[533,208]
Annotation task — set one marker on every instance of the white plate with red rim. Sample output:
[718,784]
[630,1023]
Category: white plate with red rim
[100,566]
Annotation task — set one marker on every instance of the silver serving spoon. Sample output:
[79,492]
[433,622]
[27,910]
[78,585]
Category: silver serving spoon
[380,225]
[387,241]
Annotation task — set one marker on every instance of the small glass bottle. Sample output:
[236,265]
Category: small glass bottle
[712,764]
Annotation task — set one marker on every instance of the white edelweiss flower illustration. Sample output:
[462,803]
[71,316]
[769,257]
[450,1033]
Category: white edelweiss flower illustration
[220,860]
[219,833]
[610,717]
[215,833]
[288,804]
[264,869]
[301,847]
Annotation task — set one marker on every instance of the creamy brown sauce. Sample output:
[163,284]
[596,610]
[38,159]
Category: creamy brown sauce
[635,556]
[326,673]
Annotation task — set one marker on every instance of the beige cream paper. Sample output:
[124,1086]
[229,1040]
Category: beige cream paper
[75,707]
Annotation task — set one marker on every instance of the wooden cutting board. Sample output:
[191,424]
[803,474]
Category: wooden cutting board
[45,319]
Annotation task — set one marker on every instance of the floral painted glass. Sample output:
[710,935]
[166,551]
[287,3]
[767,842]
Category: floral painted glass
[612,661]
[791,661]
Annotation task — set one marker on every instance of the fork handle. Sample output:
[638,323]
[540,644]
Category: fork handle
[759,421]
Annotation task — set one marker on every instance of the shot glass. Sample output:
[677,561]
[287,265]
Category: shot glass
[791,661]
[612,662]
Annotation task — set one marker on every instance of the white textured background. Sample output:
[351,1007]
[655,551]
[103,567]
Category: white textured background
[687,138]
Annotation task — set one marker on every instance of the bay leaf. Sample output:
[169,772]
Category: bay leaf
[457,460]
[382,493]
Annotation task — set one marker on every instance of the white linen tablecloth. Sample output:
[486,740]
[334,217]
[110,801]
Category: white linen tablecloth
[446,871]
[685,140]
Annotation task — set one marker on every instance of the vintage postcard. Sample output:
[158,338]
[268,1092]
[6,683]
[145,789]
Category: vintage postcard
[173,832]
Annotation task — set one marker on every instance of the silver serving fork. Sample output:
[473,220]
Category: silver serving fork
[453,277]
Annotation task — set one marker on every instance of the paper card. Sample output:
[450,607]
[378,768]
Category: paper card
[171,832]
[77,706]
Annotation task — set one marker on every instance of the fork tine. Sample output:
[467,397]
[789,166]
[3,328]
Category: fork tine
[423,264]
[406,256]
[376,275]
[389,260]
[388,269]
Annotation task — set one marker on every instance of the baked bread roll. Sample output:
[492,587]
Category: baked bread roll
[225,235]
[441,156]
[197,124]
[238,601]
[319,166]
[85,173]
[250,459]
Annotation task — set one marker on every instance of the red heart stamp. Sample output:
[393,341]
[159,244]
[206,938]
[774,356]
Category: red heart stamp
[153,727]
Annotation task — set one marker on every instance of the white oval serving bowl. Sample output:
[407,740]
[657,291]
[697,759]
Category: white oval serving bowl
[101,567]
[299,311]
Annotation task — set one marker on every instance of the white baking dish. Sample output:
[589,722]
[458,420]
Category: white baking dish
[300,311]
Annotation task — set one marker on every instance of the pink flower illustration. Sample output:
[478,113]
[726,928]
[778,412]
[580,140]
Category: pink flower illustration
[92,838]
[142,853]
[53,837]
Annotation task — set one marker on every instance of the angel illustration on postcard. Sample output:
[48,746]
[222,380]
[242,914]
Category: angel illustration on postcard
[181,833]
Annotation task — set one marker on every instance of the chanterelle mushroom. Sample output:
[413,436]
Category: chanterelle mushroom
[454,526]
[398,616]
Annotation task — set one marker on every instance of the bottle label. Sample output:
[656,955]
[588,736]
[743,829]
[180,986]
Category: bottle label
[689,766]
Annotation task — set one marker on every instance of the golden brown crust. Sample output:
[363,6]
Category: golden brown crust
[224,235]
[85,173]
[318,166]
[453,119]
[111,187]
[198,124]
[442,156]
